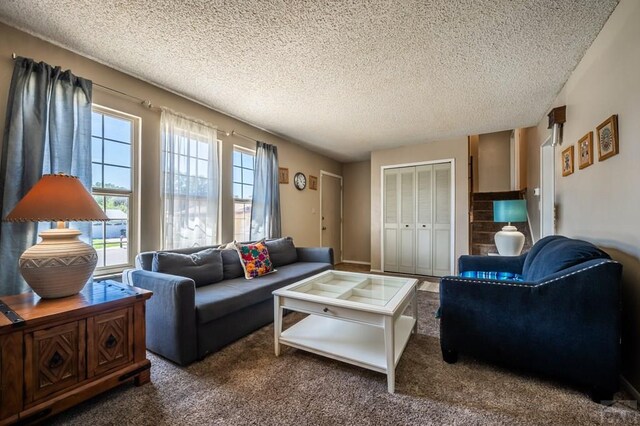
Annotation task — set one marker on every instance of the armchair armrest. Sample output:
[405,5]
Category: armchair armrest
[512,264]
[315,254]
[170,314]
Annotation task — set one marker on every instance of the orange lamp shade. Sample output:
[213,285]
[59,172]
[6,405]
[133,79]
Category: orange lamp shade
[57,198]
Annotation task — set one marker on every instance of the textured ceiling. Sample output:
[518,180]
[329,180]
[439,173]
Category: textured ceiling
[345,77]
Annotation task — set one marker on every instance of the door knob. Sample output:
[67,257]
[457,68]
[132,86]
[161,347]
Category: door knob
[406,226]
[324,228]
[424,226]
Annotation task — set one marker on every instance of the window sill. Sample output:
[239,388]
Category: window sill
[115,275]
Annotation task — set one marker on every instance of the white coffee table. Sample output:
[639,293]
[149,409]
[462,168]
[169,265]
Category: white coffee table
[354,318]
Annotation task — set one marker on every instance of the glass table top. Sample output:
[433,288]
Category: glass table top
[361,288]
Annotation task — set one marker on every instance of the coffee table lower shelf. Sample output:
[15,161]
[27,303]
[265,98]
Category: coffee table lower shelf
[350,342]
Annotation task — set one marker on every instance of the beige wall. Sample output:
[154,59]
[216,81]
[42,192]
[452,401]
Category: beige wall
[494,162]
[601,202]
[456,149]
[357,211]
[300,210]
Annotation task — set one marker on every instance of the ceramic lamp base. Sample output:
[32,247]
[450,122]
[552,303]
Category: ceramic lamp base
[509,241]
[60,265]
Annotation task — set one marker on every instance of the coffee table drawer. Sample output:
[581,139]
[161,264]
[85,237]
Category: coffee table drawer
[332,311]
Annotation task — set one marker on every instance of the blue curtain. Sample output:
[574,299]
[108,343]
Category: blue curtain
[47,130]
[265,207]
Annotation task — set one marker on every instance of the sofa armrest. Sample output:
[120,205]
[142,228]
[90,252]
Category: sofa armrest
[315,254]
[513,264]
[170,314]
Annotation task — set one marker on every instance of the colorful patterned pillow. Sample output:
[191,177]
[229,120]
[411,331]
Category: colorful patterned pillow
[255,259]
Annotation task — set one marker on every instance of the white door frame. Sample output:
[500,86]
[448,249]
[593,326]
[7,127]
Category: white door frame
[325,173]
[453,205]
[546,204]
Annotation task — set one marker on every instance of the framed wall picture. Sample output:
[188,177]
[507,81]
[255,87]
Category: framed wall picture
[283,175]
[313,183]
[567,161]
[585,151]
[608,138]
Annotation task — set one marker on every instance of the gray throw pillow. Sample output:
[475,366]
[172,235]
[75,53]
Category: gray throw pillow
[203,267]
[282,251]
[231,264]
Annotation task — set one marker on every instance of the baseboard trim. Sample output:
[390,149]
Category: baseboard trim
[357,262]
[629,388]
[377,270]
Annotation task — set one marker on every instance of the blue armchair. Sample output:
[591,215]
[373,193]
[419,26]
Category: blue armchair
[562,320]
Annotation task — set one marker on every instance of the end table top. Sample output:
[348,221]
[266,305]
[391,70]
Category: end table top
[29,309]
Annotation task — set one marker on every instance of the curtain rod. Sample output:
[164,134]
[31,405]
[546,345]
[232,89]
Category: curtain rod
[234,133]
[147,103]
[144,102]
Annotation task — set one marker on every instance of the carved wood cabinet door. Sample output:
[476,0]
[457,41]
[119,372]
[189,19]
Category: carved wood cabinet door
[54,359]
[110,341]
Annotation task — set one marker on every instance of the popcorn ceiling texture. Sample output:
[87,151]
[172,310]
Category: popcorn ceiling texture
[343,77]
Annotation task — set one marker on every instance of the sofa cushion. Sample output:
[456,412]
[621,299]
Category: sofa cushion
[255,259]
[203,267]
[218,300]
[145,259]
[231,265]
[282,251]
[557,254]
[537,247]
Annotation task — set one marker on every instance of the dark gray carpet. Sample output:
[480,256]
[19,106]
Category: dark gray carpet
[245,384]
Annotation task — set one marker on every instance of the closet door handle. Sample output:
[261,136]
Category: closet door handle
[406,226]
[424,226]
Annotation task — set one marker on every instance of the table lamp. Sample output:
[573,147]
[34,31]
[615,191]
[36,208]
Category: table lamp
[509,241]
[60,265]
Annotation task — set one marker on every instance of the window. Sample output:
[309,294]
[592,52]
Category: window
[113,141]
[243,166]
[190,182]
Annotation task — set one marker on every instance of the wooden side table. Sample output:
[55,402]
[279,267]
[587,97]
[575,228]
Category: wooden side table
[57,353]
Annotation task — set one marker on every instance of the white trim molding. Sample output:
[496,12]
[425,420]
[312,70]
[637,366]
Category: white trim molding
[356,262]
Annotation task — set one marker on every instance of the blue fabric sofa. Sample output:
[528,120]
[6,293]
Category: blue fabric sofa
[187,320]
[562,320]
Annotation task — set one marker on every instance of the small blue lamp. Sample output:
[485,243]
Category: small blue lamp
[509,241]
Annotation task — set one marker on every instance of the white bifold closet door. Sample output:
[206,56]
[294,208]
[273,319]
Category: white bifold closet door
[407,232]
[391,219]
[424,207]
[417,219]
[442,220]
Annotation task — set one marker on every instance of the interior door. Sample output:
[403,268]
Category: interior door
[407,232]
[424,214]
[331,187]
[442,220]
[391,219]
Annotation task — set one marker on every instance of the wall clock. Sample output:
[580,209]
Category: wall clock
[300,181]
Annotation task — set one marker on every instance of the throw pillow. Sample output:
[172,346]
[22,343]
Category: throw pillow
[255,259]
[231,265]
[228,246]
[203,267]
[282,251]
